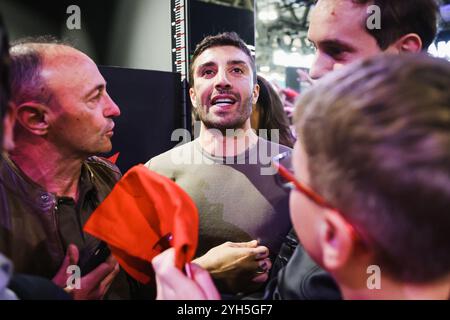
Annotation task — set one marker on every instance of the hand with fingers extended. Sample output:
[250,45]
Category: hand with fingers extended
[95,284]
[237,267]
[172,284]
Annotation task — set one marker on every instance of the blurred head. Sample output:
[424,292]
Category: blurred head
[60,96]
[339,31]
[223,82]
[268,113]
[374,142]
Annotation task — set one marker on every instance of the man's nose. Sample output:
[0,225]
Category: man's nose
[222,80]
[321,66]
[111,108]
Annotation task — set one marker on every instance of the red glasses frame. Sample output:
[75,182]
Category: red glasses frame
[286,174]
[310,194]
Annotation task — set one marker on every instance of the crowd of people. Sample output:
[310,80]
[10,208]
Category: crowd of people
[362,182]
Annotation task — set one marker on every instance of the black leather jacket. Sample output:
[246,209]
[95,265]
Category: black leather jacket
[295,276]
[29,234]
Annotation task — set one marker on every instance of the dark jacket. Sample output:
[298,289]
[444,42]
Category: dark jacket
[295,276]
[28,287]
[29,233]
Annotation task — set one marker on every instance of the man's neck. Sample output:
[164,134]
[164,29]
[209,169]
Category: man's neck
[215,143]
[48,168]
[394,290]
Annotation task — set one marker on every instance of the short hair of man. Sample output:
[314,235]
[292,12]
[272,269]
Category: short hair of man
[221,40]
[377,138]
[400,17]
[27,56]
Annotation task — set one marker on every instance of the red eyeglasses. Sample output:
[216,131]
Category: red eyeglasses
[292,182]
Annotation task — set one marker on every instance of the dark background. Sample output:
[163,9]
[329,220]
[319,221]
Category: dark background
[151,109]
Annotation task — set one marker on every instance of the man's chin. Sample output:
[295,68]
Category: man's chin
[224,125]
[104,149]
[219,122]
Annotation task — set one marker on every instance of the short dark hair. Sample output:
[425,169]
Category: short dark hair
[27,56]
[5,92]
[377,137]
[221,40]
[400,17]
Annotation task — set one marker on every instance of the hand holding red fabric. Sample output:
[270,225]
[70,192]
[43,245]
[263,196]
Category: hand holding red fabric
[143,208]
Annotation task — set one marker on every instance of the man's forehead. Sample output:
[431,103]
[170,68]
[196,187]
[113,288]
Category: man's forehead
[63,56]
[332,7]
[337,19]
[70,68]
[221,54]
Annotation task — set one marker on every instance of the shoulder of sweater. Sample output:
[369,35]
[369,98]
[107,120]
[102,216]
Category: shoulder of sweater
[166,158]
[274,145]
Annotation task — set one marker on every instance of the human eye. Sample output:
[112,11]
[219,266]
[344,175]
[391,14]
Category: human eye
[237,70]
[207,72]
[336,52]
[97,95]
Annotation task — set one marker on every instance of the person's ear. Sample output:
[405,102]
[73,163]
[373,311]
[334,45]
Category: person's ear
[8,125]
[193,97]
[408,43]
[255,94]
[337,241]
[33,117]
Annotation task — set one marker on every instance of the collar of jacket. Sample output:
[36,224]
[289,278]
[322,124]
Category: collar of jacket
[18,183]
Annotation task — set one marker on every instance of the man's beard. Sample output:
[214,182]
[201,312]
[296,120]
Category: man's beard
[238,122]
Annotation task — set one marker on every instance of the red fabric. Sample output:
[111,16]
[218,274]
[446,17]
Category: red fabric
[114,157]
[143,207]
